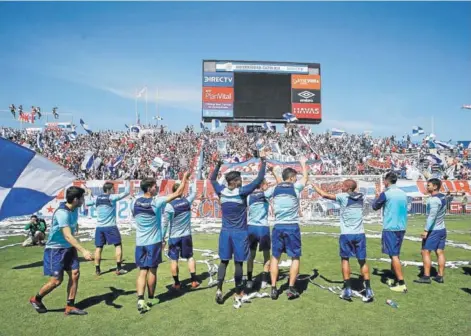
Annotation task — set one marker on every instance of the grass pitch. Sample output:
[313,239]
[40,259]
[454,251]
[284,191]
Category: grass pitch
[436,309]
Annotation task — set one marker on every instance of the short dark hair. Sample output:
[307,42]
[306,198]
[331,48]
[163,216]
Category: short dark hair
[147,183]
[73,193]
[436,182]
[391,177]
[108,186]
[288,173]
[231,176]
[34,216]
[175,187]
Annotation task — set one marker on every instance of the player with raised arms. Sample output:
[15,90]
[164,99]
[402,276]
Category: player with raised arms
[286,235]
[60,253]
[107,231]
[233,239]
[177,220]
[352,240]
[147,211]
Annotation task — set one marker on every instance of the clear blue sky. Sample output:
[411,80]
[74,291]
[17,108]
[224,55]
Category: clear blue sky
[386,66]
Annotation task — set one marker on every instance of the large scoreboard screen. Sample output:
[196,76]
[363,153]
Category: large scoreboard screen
[245,91]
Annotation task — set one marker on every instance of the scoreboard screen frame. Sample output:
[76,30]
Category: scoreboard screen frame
[218,90]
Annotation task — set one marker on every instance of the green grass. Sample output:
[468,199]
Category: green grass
[426,310]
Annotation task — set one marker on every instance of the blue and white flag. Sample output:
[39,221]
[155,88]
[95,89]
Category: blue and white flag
[126,125]
[268,127]
[337,133]
[85,127]
[289,117]
[39,141]
[215,124]
[158,118]
[443,145]
[433,159]
[87,162]
[29,181]
[417,130]
[72,136]
[202,124]
[118,161]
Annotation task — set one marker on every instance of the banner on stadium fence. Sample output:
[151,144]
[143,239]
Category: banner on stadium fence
[373,163]
[207,204]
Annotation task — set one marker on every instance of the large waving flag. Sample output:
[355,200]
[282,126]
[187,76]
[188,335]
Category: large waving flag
[28,180]
[467,107]
[85,127]
[215,124]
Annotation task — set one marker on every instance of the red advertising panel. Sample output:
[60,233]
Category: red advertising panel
[307,111]
[218,95]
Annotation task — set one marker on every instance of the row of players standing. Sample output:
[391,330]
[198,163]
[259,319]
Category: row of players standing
[242,231]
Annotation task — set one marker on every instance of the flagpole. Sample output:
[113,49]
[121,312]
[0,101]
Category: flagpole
[433,131]
[135,103]
[156,105]
[147,121]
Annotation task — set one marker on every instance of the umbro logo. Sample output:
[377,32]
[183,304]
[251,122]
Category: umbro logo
[306,94]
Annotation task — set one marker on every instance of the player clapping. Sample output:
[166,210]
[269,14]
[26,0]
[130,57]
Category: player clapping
[352,239]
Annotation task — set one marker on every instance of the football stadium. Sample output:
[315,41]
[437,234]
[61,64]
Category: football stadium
[154,182]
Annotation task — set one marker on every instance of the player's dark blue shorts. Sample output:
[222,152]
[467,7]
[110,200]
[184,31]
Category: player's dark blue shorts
[107,235]
[149,256]
[259,235]
[286,238]
[58,260]
[181,246]
[234,242]
[392,242]
[353,245]
[435,240]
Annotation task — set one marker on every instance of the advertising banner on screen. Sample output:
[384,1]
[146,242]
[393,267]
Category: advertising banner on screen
[306,82]
[306,96]
[307,111]
[218,113]
[261,67]
[218,95]
[218,106]
[224,79]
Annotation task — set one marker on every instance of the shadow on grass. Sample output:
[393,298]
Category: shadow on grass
[467,270]
[385,274]
[127,267]
[40,263]
[466,290]
[172,294]
[107,298]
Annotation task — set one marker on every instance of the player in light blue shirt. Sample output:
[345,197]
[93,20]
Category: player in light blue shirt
[60,253]
[434,235]
[107,231]
[177,219]
[147,212]
[394,203]
[352,240]
[286,235]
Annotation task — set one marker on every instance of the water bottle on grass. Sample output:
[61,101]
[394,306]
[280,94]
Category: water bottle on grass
[392,303]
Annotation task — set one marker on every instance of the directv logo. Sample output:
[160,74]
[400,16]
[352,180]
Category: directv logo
[217,79]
